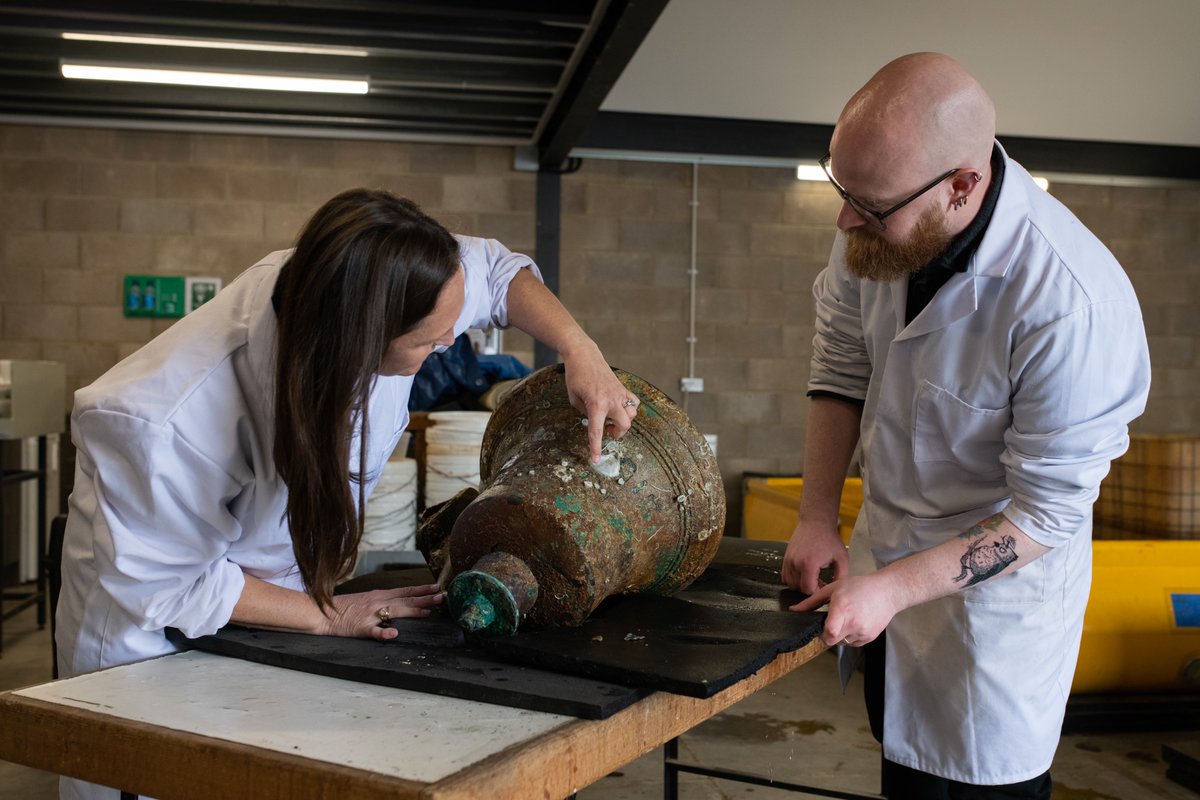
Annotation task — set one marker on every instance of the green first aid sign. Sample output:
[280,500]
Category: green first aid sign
[154,296]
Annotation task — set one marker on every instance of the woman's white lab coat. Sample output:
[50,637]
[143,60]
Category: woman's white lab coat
[1012,390]
[176,495]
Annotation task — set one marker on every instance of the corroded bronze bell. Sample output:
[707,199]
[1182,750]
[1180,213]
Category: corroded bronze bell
[550,535]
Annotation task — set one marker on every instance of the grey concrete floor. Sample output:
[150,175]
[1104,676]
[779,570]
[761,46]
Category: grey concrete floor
[25,660]
[801,729]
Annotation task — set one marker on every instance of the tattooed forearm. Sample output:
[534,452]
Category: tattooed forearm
[982,561]
[990,524]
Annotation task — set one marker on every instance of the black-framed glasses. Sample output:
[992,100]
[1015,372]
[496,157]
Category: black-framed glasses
[869,213]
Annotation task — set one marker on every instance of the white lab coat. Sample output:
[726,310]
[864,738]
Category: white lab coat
[1012,390]
[176,494]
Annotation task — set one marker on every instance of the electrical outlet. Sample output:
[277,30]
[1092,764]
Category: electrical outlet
[691,385]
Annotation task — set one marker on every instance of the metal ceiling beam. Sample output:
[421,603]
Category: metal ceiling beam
[576,12]
[460,67]
[191,119]
[617,36]
[427,70]
[382,43]
[253,20]
[713,136]
[34,93]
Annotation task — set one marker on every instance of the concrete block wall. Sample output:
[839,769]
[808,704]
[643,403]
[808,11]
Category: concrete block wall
[81,207]
[1155,234]
[761,238]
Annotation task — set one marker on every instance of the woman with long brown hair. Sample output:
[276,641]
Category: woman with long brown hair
[222,470]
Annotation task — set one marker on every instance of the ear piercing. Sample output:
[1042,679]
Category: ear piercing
[959,202]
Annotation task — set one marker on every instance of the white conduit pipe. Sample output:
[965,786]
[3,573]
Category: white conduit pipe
[691,338]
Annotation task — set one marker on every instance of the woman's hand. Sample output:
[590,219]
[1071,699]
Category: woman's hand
[265,605]
[594,389]
[591,385]
[362,615]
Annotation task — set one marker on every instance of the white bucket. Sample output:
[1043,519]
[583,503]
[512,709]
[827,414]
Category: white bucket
[452,453]
[390,521]
[460,420]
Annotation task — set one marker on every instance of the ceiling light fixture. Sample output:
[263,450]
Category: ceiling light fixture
[810,172]
[216,44]
[224,80]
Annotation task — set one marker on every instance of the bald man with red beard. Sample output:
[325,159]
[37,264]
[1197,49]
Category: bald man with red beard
[987,354]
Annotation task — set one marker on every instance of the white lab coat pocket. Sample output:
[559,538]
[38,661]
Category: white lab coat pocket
[1025,586]
[948,429]
[926,532]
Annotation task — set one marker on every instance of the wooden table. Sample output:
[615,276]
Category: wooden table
[196,725]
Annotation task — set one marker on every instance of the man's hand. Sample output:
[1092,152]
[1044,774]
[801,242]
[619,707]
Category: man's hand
[859,609]
[811,549]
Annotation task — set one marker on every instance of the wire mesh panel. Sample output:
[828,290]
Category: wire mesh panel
[1153,491]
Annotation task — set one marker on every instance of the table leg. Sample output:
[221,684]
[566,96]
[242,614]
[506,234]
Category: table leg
[671,770]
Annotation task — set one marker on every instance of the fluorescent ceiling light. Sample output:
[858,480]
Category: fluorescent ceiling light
[1043,183]
[216,44]
[225,80]
[810,172]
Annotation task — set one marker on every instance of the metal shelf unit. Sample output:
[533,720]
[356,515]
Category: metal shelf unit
[23,598]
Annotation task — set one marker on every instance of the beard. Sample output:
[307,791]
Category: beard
[870,257]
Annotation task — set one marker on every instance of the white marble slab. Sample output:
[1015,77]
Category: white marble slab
[395,732]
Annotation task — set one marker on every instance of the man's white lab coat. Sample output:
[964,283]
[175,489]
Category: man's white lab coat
[1012,390]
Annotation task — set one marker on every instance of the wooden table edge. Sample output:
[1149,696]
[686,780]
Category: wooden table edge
[113,751]
[580,752]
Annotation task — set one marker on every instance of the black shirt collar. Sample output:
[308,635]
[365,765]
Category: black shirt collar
[924,283]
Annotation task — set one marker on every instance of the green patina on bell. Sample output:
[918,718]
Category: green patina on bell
[492,596]
[550,534]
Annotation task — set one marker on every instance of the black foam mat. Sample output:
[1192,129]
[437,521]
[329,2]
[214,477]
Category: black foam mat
[665,643]
[729,623]
[430,661]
